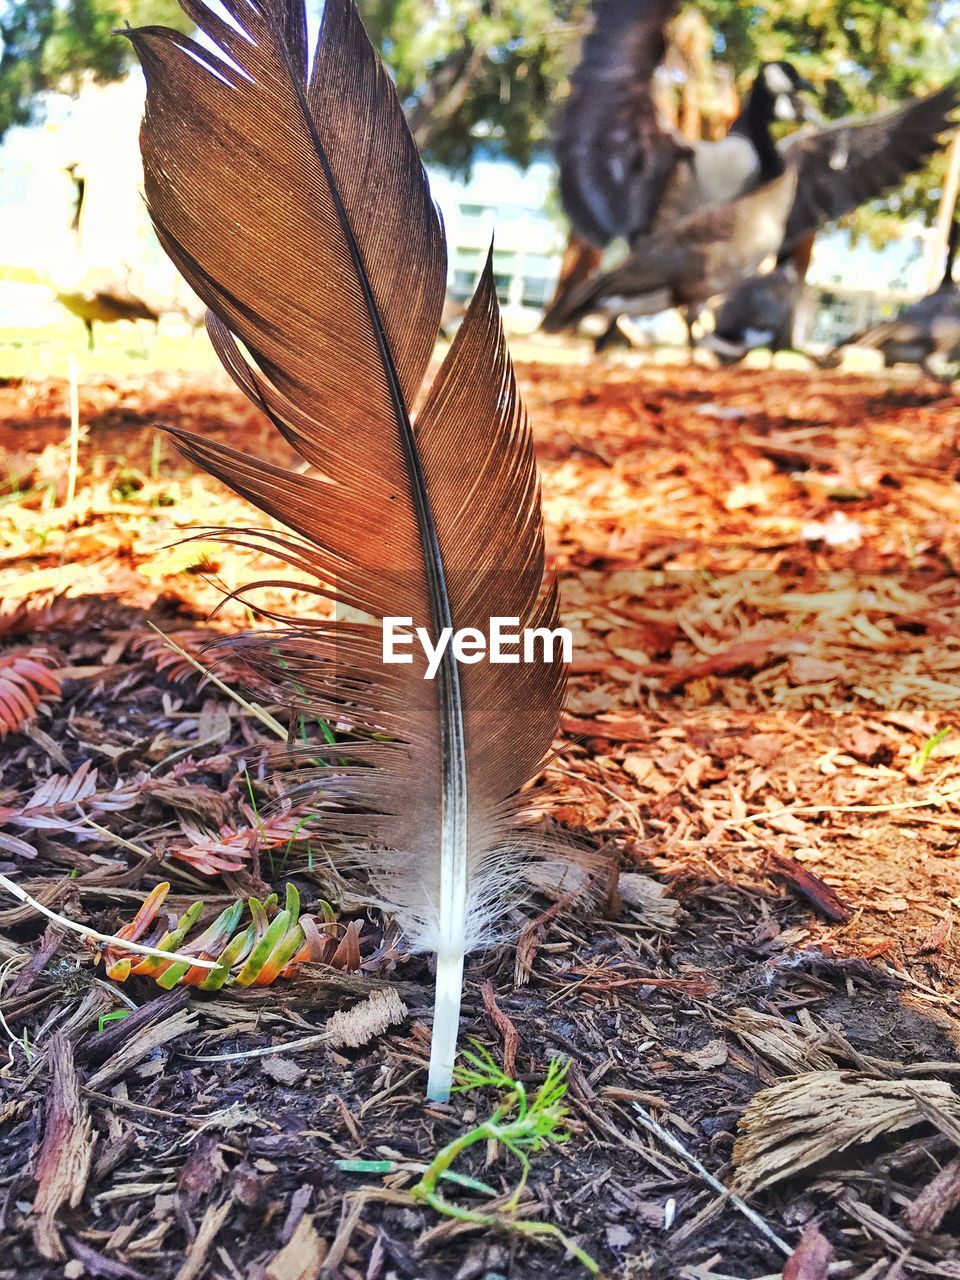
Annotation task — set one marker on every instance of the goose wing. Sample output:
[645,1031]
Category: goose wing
[851,161]
[614,157]
[704,254]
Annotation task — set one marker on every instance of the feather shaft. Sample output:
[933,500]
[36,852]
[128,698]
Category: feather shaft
[454,857]
[446,1023]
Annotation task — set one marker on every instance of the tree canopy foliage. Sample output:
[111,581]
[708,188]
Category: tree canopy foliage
[856,51]
[491,73]
[55,44]
[508,63]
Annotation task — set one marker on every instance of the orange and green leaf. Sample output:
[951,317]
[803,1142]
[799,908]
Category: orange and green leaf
[273,944]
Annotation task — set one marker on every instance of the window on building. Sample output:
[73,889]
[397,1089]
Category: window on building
[536,291]
[502,282]
[504,269]
[476,211]
[540,264]
[462,284]
[881,310]
[836,318]
[467,264]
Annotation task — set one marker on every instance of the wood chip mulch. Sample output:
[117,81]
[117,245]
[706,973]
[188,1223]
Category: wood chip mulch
[761,736]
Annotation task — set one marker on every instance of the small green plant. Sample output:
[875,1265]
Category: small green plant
[922,757]
[117,1016]
[126,484]
[278,867]
[275,943]
[521,1125]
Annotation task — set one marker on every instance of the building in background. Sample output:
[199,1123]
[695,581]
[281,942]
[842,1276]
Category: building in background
[511,209]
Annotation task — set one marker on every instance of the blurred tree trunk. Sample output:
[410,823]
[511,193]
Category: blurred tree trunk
[445,93]
[945,214]
[697,96]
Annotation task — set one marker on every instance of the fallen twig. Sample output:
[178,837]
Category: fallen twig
[894,806]
[265,718]
[677,1147]
[109,938]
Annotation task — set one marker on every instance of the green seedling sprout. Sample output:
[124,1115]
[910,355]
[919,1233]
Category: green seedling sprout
[926,751]
[116,1016]
[521,1125]
[256,813]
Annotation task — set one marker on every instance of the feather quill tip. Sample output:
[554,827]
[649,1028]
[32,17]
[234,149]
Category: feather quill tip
[446,1025]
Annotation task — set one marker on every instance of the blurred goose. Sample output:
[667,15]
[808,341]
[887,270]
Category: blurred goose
[840,165]
[929,329]
[849,162]
[104,305]
[761,311]
[622,174]
[96,296]
[703,254]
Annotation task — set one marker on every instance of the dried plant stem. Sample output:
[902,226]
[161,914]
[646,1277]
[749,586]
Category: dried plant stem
[265,718]
[677,1147]
[85,931]
[74,432]
[134,848]
[264,1050]
[112,835]
[893,806]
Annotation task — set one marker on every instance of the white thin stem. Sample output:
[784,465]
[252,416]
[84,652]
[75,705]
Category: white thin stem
[677,1147]
[74,432]
[109,938]
[264,1051]
[446,1025]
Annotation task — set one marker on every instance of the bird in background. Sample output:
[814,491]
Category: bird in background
[928,330]
[760,311]
[845,160]
[701,255]
[623,174]
[679,205]
[96,295]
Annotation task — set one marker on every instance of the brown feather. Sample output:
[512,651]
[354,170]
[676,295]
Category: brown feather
[299,211]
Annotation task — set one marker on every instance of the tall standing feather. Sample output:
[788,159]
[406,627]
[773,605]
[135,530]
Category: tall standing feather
[293,200]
